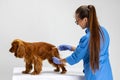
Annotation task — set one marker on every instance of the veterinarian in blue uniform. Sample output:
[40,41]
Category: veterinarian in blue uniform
[92,48]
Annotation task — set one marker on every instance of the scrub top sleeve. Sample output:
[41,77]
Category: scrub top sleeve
[79,53]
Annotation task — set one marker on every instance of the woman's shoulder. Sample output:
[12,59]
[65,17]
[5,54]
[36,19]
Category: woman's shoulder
[84,41]
[103,28]
[84,38]
[105,34]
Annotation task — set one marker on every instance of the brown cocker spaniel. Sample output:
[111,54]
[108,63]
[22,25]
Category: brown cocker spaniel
[34,53]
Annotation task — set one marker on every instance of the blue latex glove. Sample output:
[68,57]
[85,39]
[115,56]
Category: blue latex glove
[56,60]
[64,47]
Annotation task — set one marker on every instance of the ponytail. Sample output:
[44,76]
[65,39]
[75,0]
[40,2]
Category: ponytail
[94,45]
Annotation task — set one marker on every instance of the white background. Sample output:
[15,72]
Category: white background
[53,21]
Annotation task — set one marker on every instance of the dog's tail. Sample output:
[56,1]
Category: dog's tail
[55,52]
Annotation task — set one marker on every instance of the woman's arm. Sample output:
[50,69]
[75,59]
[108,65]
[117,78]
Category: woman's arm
[66,47]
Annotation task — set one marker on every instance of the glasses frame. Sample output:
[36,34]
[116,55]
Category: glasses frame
[77,21]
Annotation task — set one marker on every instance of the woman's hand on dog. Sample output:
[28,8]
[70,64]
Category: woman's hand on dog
[58,61]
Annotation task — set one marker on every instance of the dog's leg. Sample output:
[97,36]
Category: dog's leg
[63,68]
[54,53]
[37,66]
[28,68]
[55,65]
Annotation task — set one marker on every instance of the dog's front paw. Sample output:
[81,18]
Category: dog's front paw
[56,70]
[25,72]
[63,72]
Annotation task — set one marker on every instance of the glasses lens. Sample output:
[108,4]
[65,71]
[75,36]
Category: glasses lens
[76,22]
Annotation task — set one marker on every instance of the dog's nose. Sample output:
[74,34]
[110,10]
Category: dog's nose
[10,50]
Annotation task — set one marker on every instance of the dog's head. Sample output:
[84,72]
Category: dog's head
[17,47]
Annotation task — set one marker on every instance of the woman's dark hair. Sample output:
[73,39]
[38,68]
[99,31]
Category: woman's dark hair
[89,12]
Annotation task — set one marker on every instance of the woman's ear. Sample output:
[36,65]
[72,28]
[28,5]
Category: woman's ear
[85,22]
[86,19]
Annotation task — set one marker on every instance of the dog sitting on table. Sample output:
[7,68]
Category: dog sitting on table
[34,53]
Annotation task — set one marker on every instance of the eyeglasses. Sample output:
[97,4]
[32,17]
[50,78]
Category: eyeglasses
[76,22]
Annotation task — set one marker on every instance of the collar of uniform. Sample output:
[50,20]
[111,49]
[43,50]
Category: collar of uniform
[87,30]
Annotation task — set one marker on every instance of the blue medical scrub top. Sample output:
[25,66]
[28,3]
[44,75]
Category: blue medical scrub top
[82,52]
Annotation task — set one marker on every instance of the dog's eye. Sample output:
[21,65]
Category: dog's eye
[14,44]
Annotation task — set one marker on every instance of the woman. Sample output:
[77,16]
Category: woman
[92,48]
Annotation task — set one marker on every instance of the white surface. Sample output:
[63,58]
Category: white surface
[47,74]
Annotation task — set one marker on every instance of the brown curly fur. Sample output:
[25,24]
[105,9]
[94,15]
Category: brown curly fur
[34,53]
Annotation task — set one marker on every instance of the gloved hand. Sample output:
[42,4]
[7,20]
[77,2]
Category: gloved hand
[64,47]
[56,60]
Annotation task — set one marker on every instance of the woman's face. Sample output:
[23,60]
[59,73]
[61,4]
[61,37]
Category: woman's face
[81,22]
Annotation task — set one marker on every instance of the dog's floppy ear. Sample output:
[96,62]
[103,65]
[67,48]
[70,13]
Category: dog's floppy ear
[20,49]
[55,52]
